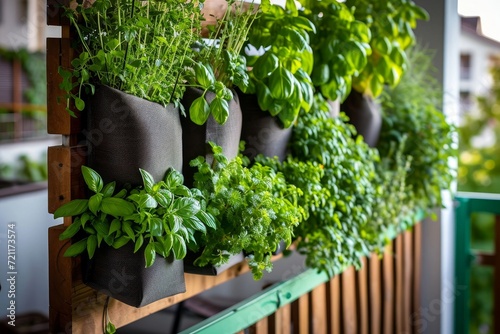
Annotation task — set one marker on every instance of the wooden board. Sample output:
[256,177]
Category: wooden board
[407,280]
[300,315]
[349,312]
[318,309]
[333,290]
[388,290]
[399,311]
[375,294]
[362,297]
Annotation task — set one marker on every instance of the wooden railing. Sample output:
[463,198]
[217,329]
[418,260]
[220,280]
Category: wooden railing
[465,257]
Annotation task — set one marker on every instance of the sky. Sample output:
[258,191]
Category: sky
[488,10]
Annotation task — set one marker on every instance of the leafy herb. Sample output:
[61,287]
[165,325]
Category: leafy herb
[158,218]
[135,46]
[254,206]
[336,234]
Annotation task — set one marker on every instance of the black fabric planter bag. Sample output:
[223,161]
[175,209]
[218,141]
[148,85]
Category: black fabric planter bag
[195,137]
[126,133]
[209,270]
[365,115]
[121,274]
[262,133]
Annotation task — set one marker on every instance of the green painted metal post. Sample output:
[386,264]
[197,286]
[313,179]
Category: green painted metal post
[462,265]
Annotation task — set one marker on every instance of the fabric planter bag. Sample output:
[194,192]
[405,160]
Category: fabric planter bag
[209,270]
[365,115]
[121,274]
[262,133]
[195,137]
[125,133]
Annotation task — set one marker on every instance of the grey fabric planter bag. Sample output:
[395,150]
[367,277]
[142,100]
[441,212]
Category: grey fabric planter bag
[365,115]
[121,274]
[262,133]
[125,133]
[195,137]
[209,270]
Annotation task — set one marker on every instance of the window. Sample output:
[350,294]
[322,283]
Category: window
[465,102]
[465,66]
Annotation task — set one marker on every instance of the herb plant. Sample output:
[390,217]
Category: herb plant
[336,235]
[135,46]
[280,75]
[340,46]
[412,110]
[219,65]
[254,207]
[391,23]
[159,218]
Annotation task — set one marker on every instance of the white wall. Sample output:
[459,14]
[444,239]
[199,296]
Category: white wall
[29,214]
[440,33]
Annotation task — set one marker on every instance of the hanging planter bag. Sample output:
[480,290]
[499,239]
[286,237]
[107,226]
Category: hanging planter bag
[125,133]
[262,133]
[195,137]
[365,115]
[121,274]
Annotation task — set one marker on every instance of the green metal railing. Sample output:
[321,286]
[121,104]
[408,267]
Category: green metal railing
[466,204]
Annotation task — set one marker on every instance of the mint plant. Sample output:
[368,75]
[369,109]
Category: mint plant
[254,207]
[135,46]
[158,218]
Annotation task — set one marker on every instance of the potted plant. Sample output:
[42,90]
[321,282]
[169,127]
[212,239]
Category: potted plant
[142,233]
[280,85]
[392,33]
[255,209]
[412,112]
[212,104]
[127,76]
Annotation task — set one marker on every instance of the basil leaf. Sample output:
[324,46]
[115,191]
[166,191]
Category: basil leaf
[73,208]
[92,179]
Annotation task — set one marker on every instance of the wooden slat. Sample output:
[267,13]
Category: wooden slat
[417,271]
[261,327]
[59,53]
[362,297]
[60,285]
[375,295]
[280,321]
[388,288]
[349,315]
[318,309]
[64,175]
[399,271]
[300,315]
[407,280]
[333,290]
[484,259]
[496,275]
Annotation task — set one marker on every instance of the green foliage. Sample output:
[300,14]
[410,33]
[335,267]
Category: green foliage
[254,207]
[340,46]
[412,113]
[391,23]
[135,46]
[219,64]
[336,234]
[158,218]
[280,75]
[26,170]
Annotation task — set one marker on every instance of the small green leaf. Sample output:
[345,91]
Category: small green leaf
[117,207]
[156,227]
[79,103]
[116,225]
[173,178]
[127,228]
[281,84]
[147,180]
[73,208]
[207,218]
[179,247]
[203,75]
[109,189]
[150,254]
[186,207]
[220,110]
[199,111]
[91,245]
[76,248]
[92,179]
[95,203]
[138,243]
[120,242]
[195,224]
[110,328]
[265,65]
[167,243]
[71,230]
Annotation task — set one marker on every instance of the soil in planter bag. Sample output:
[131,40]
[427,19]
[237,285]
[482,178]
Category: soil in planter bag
[121,274]
[126,133]
[262,133]
[196,137]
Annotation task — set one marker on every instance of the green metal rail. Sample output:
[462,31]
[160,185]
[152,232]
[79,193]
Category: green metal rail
[261,305]
[466,204]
